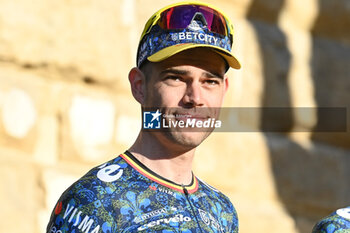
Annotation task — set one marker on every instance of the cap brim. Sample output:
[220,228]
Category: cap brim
[172,50]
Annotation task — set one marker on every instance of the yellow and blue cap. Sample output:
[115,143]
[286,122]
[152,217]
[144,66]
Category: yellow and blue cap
[183,26]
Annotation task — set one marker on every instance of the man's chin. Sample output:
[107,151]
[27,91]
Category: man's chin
[187,138]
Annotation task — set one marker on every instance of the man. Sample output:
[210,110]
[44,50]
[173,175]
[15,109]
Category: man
[183,55]
[337,222]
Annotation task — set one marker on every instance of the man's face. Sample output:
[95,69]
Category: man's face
[191,83]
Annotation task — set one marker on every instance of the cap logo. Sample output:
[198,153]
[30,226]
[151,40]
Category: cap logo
[198,22]
[196,36]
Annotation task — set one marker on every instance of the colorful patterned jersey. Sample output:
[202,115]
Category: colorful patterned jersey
[337,222]
[123,195]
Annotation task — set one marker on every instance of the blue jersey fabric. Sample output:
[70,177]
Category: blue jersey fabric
[337,222]
[123,195]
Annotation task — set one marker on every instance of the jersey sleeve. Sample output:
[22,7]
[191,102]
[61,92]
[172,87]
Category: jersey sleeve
[234,219]
[235,224]
[337,222]
[83,208]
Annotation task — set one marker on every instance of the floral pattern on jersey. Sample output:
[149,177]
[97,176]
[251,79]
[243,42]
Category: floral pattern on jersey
[131,202]
[333,224]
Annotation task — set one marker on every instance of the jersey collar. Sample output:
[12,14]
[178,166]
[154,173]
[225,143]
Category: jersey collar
[141,168]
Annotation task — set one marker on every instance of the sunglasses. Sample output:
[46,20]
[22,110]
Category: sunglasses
[181,16]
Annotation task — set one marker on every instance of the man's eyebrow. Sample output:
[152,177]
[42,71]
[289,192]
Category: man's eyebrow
[213,75]
[175,71]
[185,72]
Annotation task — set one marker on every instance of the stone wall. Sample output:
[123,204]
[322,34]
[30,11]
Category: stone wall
[65,106]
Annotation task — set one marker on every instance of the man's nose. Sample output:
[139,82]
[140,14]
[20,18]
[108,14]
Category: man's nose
[193,95]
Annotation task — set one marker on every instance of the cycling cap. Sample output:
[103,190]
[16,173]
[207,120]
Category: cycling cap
[183,26]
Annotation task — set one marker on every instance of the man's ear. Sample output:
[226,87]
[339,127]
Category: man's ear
[138,84]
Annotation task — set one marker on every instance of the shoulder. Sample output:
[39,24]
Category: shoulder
[219,206]
[99,182]
[339,221]
[87,203]
[215,193]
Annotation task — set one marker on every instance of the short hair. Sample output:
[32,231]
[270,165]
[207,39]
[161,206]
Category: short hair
[146,69]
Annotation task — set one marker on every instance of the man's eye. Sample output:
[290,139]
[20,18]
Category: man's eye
[212,82]
[173,78]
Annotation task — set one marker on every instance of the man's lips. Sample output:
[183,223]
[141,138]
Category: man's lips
[189,116]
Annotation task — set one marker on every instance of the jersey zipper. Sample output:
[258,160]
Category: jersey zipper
[192,209]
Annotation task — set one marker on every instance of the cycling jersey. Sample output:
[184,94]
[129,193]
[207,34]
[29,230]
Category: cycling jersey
[123,195]
[337,222]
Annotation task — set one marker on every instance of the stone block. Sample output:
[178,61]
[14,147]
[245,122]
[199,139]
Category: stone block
[330,72]
[25,100]
[305,225]
[97,39]
[266,60]
[246,84]
[263,217]
[19,114]
[47,146]
[89,117]
[302,14]
[129,121]
[275,58]
[21,196]
[267,11]
[127,129]
[240,164]
[333,20]
[311,179]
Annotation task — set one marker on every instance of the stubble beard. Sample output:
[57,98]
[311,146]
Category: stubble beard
[182,140]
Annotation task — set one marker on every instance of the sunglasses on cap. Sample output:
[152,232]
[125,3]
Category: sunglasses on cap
[180,16]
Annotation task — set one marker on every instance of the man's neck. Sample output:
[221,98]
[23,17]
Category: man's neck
[174,165]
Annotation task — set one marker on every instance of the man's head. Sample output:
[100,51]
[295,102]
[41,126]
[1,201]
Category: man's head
[183,77]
